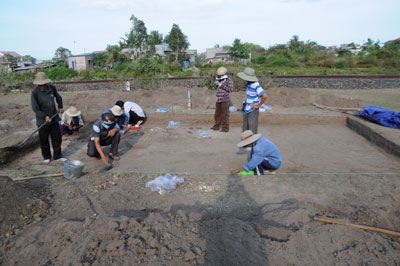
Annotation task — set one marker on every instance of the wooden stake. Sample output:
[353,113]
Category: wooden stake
[38,176]
[364,227]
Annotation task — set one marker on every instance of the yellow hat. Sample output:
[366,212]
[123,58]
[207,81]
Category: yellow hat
[221,71]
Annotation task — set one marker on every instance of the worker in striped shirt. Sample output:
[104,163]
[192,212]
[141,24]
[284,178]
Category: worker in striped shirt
[256,96]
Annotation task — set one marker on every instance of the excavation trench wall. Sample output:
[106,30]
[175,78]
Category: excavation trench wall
[321,82]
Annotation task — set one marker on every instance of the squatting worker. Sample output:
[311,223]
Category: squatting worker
[119,115]
[255,97]
[224,86]
[264,154]
[71,121]
[105,131]
[135,114]
[42,99]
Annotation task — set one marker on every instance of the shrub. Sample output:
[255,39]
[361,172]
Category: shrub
[260,59]
[60,73]
[175,67]
[340,64]
[279,60]
[145,67]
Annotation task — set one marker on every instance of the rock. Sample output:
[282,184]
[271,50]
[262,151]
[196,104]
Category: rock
[189,256]
[197,250]
[93,244]
[167,235]
[195,217]
[43,205]
[154,243]
[147,236]
[182,215]
[163,250]
[112,227]
[133,223]
[115,245]
[150,251]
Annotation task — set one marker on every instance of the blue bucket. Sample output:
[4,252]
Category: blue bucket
[73,168]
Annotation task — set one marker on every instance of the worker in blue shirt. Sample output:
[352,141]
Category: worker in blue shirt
[264,154]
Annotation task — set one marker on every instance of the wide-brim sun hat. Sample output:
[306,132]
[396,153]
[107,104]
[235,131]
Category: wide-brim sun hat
[248,74]
[116,110]
[41,79]
[222,71]
[248,137]
[73,111]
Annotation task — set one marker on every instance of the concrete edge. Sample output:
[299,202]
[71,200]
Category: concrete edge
[366,129]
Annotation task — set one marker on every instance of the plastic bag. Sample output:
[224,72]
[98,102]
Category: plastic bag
[173,124]
[204,135]
[165,184]
[232,109]
[264,108]
[162,110]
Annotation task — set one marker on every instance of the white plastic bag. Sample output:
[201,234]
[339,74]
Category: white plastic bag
[173,124]
[165,184]
[232,109]
[204,134]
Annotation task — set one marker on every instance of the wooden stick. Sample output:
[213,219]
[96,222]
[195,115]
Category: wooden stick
[364,227]
[337,108]
[38,176]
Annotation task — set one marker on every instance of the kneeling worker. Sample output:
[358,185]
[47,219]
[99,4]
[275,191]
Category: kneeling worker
[71,121]
[104,132]
[264,154]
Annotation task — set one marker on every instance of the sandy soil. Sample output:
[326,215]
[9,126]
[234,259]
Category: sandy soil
[110,218]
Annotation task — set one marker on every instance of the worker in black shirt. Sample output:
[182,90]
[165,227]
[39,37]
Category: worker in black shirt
[42,99]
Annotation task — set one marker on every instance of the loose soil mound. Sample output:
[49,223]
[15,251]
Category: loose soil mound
[19,206]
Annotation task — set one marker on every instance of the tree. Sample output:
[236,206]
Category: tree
[114,54]
[28,58]
[370,46]
[176,40]
[153,39]
[137,36]
[62,53]
[238,50]
[11,60]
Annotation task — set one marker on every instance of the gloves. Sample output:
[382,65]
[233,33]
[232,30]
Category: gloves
[122,132]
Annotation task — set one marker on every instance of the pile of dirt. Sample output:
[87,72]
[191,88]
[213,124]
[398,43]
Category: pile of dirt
[19,206]
[272,234]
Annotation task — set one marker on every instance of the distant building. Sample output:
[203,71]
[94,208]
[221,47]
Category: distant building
[214,55]
[4,62]
[33,68]
[353,48]
[398,39]
[83,61]
[162,50]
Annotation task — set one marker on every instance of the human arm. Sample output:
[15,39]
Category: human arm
[263,99]
[58,100]
[100,150]
[237,170]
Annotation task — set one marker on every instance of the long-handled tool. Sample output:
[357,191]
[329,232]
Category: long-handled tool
[36,130]
[364,227]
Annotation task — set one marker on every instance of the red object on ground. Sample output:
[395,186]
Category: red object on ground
[134,128]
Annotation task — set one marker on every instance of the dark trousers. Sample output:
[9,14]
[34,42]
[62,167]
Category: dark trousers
[221,116]
[250,121]
[74,123]
[114,141]
[134,118]
[265,165]
[52,130]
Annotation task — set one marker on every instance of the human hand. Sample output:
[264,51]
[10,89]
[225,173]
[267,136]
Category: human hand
[255,106]
[60,110]
[70,127]
[47,119]
[104,159]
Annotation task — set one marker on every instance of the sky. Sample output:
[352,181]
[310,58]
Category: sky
[39,27]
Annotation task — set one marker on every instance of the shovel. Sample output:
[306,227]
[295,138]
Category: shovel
[18,146]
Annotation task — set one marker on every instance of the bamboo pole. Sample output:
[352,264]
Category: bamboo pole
[38,176]
[364,227]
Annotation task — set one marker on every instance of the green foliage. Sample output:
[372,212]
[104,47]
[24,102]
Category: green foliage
[341,64]
[60,73]
[28,58]
[279,60]
[62,53]
[201,59]
[176,40]
[260,59]
[175,67]
[100,59]
[145,67]
[239,50]
[14,81]
[11,60]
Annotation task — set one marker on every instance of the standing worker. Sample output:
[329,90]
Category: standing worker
[224,86]
[42,99]
[255,97]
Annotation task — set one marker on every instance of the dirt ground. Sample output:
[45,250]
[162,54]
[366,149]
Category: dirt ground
[213,218]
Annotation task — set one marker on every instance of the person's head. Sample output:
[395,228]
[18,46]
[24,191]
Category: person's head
[222,73]
[248,138]
[120,104]
[107,120]
[41,79]
[248,75]
[116,110]
[73,111]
